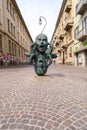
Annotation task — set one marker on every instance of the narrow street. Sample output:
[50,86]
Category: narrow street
[56,101]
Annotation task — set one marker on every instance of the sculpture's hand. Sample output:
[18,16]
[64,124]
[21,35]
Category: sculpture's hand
[54,56]
[49,62]
[27,54]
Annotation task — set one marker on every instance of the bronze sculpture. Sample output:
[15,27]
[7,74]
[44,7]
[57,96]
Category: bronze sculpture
[41,54]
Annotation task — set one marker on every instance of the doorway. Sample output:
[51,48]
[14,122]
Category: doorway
[63,57]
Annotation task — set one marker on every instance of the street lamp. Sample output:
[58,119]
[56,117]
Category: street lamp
[40,22]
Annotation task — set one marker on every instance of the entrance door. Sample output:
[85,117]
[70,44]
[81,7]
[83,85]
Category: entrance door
[63,57]
[85,57]
[0,42]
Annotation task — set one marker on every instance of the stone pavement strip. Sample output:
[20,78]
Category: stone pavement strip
[56,101]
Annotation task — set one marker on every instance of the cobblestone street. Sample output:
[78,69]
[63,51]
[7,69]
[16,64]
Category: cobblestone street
[56,101]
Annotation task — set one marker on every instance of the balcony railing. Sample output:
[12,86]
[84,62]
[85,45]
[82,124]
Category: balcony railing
[64,46]
[68,24]
[57,43]
[61,36]
[80,46]
[81,7]
[82,35]
[59,49]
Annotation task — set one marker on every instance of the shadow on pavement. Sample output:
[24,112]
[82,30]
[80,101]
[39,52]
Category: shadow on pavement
[55,74]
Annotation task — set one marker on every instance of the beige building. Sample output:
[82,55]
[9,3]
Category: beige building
[63,36]
[15,38]
[80,46]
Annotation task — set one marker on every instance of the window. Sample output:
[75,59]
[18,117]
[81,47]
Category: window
[70,33]
[15,49]
[9,46]
[12,48]
[0,42]
[14,31]
[18,37]
[76,9]
[11,29]
[7,5]
[84,24]
[8,22]
[10,9]
[13,13]
[0,16]
[21,39]
[76,32]
[70,54]
[19,50]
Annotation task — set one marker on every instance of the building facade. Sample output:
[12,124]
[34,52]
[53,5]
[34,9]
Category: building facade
[63,36]
[15,38]
[80,46]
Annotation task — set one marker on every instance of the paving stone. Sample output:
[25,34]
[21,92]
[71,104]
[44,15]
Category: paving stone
[73,128]
[42,119]
[12,126]
[11,120]
[4,121]
[48,127]
[40,123]
[5,126]
[33,122]
[26,127]
[31,128]
[25,121]
[56,101]
[67,123]
[37,128]
[20,126]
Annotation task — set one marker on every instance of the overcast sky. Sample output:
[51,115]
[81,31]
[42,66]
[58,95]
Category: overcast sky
[31,11]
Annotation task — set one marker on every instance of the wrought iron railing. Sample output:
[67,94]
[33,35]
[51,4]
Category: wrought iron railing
[81,33]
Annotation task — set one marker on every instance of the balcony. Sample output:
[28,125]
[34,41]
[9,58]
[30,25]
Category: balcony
[68,6]
[80,46]
[59,49]
[81,7]
[64,46]
[61,36]
[82,35]
[68,24]
[57,43]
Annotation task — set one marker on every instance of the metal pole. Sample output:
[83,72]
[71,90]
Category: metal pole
[40,22]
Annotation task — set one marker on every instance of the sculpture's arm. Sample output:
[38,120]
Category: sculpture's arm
[49,49]
[27,54]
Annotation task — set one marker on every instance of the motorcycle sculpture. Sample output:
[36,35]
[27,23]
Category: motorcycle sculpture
[41,54]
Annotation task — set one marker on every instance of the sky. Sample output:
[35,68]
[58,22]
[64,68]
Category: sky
[31,11]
